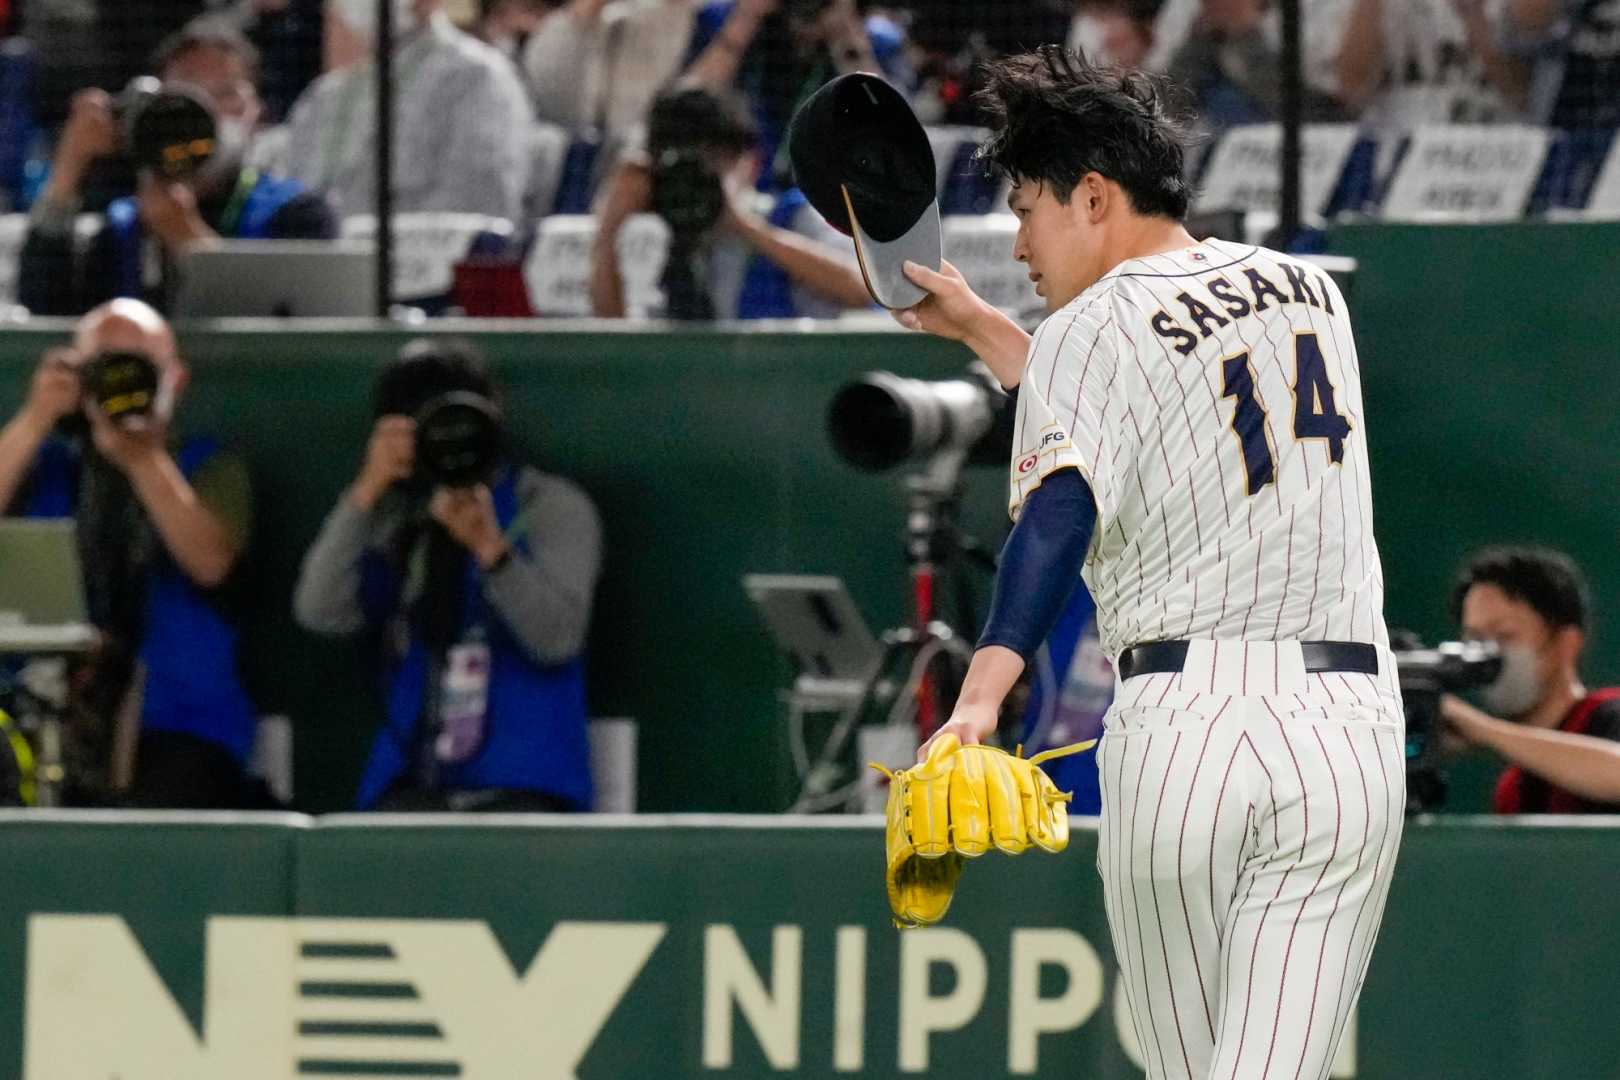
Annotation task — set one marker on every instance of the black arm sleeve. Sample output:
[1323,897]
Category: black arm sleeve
[306,217]
[1040,563]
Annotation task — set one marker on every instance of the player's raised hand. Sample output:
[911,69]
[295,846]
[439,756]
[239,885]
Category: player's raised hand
[952,310]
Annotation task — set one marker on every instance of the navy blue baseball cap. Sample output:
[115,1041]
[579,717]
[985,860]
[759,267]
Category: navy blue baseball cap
[863,160]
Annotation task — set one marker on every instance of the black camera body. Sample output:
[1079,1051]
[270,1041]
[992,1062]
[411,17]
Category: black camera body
[123,385]
[167,132]
[687,193]
[1425,674]
[458,440]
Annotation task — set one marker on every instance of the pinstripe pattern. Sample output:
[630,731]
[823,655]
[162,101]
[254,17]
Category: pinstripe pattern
[1243,950]
[1182,549]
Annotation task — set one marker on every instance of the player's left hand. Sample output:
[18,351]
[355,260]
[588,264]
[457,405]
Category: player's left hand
[971,724]
[468,515]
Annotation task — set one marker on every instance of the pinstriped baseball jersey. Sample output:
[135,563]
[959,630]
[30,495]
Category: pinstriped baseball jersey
[1212,398]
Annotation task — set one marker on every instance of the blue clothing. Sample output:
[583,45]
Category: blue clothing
[888,47]
[264,199]
[767,290]
[1071,692]
[1040,563]
[534,734]
[187,645]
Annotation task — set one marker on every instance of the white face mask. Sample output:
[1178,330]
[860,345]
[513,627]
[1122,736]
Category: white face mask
[361,16]
[1517,689]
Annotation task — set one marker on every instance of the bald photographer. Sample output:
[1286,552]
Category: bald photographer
[474,575]
[162,520]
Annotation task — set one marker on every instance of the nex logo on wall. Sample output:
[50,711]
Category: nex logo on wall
[347,997]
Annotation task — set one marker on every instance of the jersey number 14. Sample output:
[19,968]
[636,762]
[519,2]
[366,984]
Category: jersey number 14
[1315,414]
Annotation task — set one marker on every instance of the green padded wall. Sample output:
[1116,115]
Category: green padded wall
[1487,356]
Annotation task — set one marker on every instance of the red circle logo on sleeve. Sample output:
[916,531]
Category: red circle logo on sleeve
[1026,464]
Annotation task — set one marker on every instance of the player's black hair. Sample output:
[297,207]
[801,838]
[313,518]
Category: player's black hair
[1055,117]
[426,368]
[1547,581]
[208,32]
[688,116]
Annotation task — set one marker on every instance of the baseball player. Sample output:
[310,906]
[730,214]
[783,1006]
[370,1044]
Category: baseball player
[1190,430]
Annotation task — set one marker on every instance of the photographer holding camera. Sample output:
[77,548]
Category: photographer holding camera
[161,522]
[477,575]
[1562,740]
[186,138]
[778,52]
[726,260]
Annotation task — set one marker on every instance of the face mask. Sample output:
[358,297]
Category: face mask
[361,16]
[1517,689]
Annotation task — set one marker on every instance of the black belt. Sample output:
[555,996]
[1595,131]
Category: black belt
[1159,657]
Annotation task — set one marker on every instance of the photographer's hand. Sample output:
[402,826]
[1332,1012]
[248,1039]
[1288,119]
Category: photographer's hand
[90,133]
[953,311]
[468,515]
[390,456]
[169,211]
[53,394]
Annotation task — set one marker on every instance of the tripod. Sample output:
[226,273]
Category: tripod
[929,652]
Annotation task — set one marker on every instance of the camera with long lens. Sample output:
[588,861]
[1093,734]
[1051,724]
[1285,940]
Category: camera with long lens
[687,193]
[883,420]
[164,131]
[1451,667]
[123,385]
[458,440]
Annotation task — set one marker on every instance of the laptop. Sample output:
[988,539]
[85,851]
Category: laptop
[817,625]
[42,608]
[277,279]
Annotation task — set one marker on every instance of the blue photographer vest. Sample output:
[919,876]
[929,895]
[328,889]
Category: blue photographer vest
[264,197]
[534,732]
[189,648]
[767,291]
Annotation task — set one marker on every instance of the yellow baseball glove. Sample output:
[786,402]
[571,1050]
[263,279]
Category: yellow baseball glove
[958,804]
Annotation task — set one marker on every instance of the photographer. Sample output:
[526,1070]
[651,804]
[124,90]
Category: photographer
[778,52]
[208,98]
[161,523]
[726,261]
[1562,740]
[476,574]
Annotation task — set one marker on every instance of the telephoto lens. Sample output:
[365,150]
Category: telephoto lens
[167,132]
[458,439]
[122,384]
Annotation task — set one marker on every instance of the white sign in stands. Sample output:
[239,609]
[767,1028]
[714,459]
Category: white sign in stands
[13,231]
[558,271]
[1604,203]
[1467,173]
[981,246]
[1245,169]
[427,247]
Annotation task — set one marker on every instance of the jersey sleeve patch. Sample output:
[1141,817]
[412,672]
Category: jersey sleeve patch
[1064,420]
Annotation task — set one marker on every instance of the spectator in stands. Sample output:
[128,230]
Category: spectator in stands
[1575,48]
[462,133]
[213,62]
[595,67]
[1114,31]
[726,259]
[105,43]
[1408,62]
[950,39]
[507,25]
[779,52]
[481,597]
[1562,740]
[162,520]
[1231,62]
